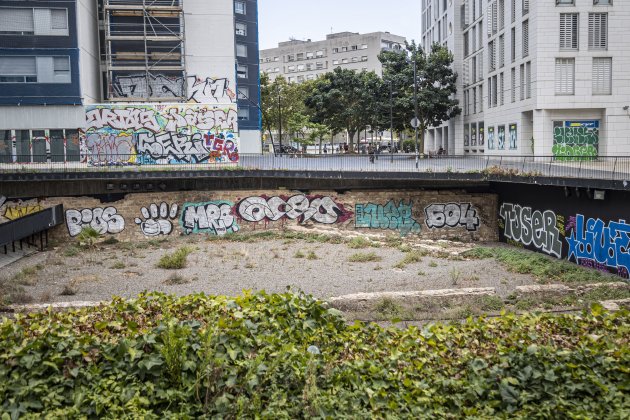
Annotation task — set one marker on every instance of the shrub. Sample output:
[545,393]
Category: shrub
[288,356]
[175,260]
[364,257]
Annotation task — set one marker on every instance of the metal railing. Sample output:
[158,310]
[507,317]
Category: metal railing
[602,167]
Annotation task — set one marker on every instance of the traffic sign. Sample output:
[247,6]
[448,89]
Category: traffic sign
[415,123]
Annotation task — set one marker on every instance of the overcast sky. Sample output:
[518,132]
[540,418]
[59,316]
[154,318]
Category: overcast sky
[280,20]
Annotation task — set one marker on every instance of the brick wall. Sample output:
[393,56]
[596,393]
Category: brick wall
[424,214]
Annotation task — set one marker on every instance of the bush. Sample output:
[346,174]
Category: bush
[175,260]
[287,356]
[364,257]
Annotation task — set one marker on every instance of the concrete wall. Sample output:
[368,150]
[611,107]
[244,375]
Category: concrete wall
[427,215]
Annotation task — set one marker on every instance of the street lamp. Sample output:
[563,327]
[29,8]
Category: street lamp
[279,121]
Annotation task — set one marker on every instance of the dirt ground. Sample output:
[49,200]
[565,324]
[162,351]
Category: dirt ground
[68,273]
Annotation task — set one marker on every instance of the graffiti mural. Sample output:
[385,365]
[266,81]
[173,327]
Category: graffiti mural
[535,228]
[513,136]
[451,215]
[575,140]
[103,220]
[491,138]
[389,216]
[303,208]
[160,134]
[157,220]
[501,137]
[195,89]
[12,210]
[212,217]
[593,243]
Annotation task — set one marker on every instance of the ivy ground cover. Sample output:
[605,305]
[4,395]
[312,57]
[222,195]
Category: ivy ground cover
[287,356]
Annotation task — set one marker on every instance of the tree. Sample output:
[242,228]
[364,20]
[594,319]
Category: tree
[344,100]
[436,86]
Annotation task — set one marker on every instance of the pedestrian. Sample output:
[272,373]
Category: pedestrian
[371,153]
[325,150]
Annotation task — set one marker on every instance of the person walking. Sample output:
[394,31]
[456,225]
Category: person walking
[325,150]
[371,153]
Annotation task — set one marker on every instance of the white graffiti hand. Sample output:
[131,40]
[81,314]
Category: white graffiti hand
[157,221]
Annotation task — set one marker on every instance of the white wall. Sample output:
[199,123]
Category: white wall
[89,60]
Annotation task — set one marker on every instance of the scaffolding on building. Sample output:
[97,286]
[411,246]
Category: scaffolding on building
[143,50]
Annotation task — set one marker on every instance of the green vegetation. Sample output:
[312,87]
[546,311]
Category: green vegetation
[360,242]
[433,264]
[299,254]
[411,257]
[288,356]
[544,268]
[175,260]
[71,251]
[360,257]
[87,237]
[175,279]
[118,265]
[312,255]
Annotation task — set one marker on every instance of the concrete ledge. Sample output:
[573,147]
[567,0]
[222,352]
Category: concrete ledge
[561,289]
[56,306]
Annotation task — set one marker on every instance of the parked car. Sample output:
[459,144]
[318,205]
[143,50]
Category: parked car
[286,149]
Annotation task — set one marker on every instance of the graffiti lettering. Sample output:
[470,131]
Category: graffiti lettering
[17,209]
[123,119]
[213,217]
[575,140]
[593,240]
[390,216]
[182,148]
[532,228]
[451,215]
[300,207]
[110,149]
[209,90]
[103,220]
[156,220]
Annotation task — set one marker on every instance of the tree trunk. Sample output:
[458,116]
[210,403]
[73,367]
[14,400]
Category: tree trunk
[351,134]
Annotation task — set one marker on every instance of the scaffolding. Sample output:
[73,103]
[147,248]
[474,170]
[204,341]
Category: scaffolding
[144,50]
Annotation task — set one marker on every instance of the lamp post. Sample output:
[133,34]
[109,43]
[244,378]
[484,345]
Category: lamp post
[279,122]
[391,121]
[415,102]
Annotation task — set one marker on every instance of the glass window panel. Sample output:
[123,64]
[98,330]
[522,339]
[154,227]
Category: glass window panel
[57,146]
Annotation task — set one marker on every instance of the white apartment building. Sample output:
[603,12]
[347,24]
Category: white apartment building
[298,61]
[546,77]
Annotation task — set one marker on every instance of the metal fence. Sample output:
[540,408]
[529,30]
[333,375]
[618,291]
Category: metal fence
[602,167]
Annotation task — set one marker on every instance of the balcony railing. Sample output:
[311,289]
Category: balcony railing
[586,167]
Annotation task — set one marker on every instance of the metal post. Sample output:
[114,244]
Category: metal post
[279,122]
[391,121]
[415,101]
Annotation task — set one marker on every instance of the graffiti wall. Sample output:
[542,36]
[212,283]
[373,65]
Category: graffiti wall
[15,209]
[160,134]
[425,215]
[567,225]
[575,140]
[196,89]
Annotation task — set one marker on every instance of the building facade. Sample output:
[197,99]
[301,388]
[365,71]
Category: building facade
[122,82]
[298,61]
[542,78]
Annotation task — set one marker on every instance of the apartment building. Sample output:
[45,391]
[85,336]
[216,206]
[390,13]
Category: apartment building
[298,61]
[127,81]
[545,78]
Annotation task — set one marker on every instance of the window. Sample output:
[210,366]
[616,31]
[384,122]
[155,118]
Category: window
[301,67]
[495,20]
[513,90]
[602,2]
[525,35]
[310,77]
[319,53]
[569,31]
[513,11]
[466,48]
[335,50]
[58,18]
[299,56]
[243,113]
[17,21]
[602,76]
[480,87]
[495,91]
[310,55]
[241,50]
[241,28]
[491,58]
[501,51]
[522,82]
[597,31]
[344,49]
[61,67]
[319,66]
[355,59]
[243,92]
[276,59]
[300,79]
[364,58]
[489,92]
[565,2]
[309,66]
[344,61]
[513,44]
[364,46]
[501,88]
[239,7]
[290,69]
[354,48]
[18,70]
[242,71]
[565,76]
[276,70]
[335,62]
[528,79]
[474,101]
[525,7]
[501,14]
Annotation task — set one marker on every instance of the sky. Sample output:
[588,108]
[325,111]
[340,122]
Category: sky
[279,20]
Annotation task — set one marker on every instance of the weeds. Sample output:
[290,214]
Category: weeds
[118,265]
[388,308]
[360,242]
[175,260]
[411,257]
[360,257]
[312,256]
[68,290]
[433,264]
[455,276]
[175,279]
[87,237]
[491,303]
[71,251]
[299,254]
